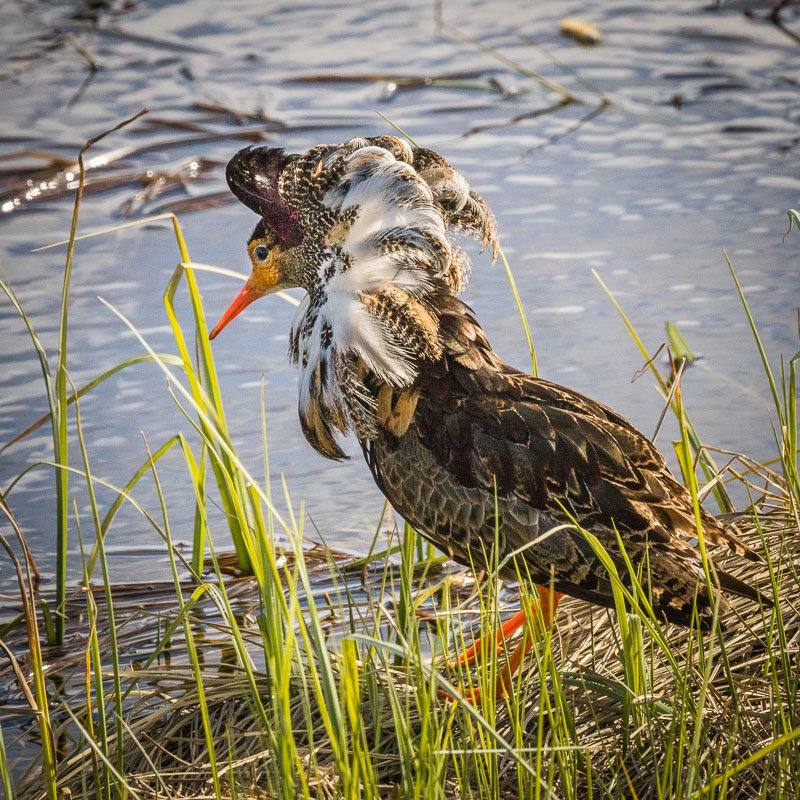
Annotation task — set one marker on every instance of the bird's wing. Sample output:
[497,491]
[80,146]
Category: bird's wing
[554,449]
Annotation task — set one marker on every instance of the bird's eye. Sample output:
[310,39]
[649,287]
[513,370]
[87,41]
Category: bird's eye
[260,252]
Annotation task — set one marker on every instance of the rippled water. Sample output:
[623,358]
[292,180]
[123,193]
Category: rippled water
[698,151]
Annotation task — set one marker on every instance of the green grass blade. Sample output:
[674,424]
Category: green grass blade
[135,224]
[794,220]
[39,700]
[189,639]
[205,394]
[124,494]
[707,464]
[761,351]
[444,684]
[86,736]
[5,771]
[93,658]
[59,412]
[112,631]
[523,317]
[214,434]
[41,353]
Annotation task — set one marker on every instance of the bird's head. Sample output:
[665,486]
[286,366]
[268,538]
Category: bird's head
[274,266]
[253,176]
[377,201]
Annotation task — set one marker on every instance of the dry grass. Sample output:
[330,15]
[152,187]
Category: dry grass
[626,755]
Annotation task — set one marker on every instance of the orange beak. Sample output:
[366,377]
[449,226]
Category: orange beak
[246,296]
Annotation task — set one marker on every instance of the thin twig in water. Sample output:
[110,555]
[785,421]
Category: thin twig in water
[639,372]
[595,112]
[775,19]
[539,112]
[566,67]
[81,90]
[503,59]
[92,62]
[672,389]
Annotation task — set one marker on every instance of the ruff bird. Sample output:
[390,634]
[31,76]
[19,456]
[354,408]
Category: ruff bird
[481,458]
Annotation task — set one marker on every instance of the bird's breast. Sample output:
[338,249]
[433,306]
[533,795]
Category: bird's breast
[465,522]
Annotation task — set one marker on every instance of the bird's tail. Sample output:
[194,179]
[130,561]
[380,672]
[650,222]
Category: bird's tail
[729,583]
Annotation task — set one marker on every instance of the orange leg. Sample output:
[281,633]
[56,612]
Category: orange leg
[548,603]
[504,632]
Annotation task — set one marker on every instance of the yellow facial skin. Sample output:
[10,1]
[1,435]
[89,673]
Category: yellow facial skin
[265,275]
[271,266]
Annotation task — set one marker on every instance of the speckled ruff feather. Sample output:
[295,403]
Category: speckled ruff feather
[469,450]
[370,223]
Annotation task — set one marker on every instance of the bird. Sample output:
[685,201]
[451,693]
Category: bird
[491,465]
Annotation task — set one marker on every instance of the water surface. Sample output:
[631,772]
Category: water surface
[697,151]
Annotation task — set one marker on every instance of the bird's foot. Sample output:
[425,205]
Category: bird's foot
[475,697]
[548,603]
[505,677]
[496,639]
[473,653]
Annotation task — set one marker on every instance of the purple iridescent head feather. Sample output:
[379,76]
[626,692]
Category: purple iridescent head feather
[252,175]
